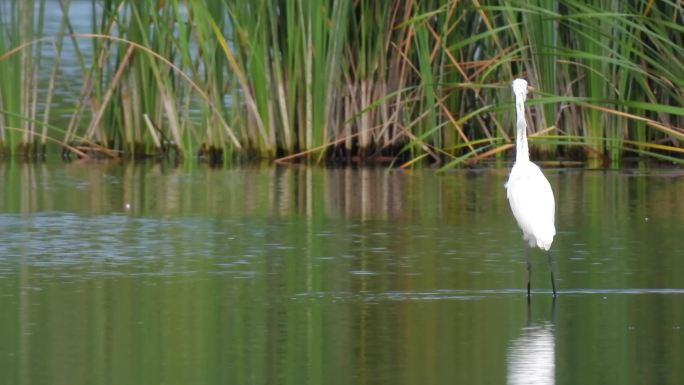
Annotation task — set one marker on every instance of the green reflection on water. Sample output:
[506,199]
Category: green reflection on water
[133,274]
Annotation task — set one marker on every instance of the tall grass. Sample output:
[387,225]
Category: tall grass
[19,95]
[341,79]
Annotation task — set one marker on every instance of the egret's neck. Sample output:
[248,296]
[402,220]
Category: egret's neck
[522,153]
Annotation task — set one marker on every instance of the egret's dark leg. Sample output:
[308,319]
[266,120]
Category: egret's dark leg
[553,279]
[529,272]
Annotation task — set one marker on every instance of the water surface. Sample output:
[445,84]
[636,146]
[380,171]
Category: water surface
[148,273]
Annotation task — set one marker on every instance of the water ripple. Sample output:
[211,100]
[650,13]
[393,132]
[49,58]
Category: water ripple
[448,295]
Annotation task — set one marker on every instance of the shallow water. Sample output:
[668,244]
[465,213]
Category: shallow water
[133,274]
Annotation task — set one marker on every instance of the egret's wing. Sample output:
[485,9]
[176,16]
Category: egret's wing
[532,203]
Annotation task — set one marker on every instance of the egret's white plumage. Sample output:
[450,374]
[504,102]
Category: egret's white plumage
[532,203]
[528,191]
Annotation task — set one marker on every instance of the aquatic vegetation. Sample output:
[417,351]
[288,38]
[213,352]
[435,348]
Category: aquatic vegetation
[342,79]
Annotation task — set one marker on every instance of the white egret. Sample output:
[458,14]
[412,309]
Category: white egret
[528,191]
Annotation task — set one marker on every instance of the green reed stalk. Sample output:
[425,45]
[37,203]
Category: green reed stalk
[542,31]
[423,52]
[209,71]
[13,101]
[594,47]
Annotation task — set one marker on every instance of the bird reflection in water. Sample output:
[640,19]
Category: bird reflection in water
[531,356]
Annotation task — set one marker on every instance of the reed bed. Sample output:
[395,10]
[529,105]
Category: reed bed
[342,80]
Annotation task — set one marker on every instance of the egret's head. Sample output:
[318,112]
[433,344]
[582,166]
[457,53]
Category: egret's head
[520,87]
